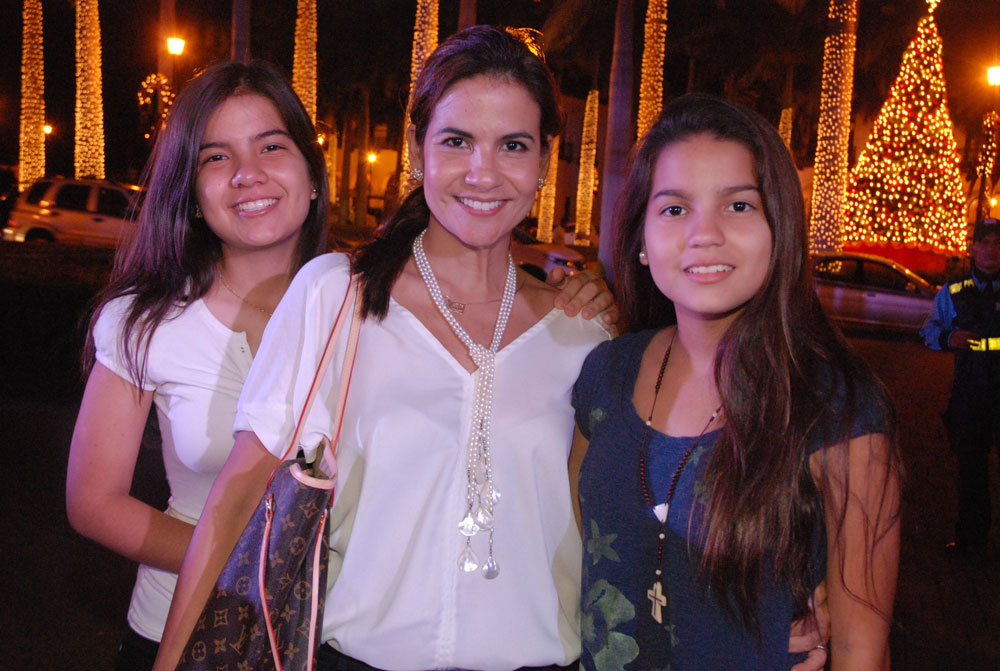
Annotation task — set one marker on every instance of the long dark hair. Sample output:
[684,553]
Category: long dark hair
[171,257]
[773,369]
[479,50]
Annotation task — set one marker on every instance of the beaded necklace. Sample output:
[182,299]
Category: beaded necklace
[655,593]
[481,494]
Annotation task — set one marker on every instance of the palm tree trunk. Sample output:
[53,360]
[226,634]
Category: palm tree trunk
[361,180]
[619,131]
[304,59]
[830,172]
[32,138]
[425,39]
[241,31]
[88,157]
[466,14]
[651,82]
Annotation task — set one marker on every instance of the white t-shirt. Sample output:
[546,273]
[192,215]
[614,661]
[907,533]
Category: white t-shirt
[195,368]
[397,598]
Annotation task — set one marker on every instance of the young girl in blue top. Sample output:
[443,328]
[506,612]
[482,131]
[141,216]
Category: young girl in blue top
[738,452]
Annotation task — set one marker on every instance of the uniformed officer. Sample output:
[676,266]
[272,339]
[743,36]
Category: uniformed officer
[966,321]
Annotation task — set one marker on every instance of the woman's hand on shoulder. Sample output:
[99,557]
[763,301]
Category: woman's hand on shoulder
[584,293]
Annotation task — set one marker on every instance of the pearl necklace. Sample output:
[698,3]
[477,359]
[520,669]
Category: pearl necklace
[481,494]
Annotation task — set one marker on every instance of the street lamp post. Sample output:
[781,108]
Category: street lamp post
[991,123]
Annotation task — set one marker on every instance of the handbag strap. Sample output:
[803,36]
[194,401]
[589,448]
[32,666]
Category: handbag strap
[345,374]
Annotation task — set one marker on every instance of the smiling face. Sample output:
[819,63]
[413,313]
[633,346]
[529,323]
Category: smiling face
[707,240]
[482,156]
[253,184]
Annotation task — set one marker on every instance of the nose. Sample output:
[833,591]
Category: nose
[248,171]
[482,173]
[705,230]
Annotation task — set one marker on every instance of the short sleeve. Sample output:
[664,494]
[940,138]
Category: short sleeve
[867,411]
[289,353]
[107,338]
[593,372]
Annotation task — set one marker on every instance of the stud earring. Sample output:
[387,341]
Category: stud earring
[197,211]
[541,183]
[642,257]
[417,174]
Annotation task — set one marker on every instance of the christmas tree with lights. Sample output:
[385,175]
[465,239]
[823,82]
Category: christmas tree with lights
[906,187]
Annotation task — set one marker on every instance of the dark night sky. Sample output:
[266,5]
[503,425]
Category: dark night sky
[374,35]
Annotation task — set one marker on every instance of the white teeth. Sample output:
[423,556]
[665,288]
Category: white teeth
[480,205]
[252,205]
[704,270]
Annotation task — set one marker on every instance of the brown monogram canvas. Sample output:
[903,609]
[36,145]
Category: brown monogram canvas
[231,634]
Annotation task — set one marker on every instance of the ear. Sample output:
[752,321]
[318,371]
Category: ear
[415,149]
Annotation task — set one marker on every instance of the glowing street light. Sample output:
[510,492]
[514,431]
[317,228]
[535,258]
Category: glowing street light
[175,46]
[993,75]
[371,158]
[991,124]
[47,129]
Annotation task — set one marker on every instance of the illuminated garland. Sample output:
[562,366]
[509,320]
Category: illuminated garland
[304,60]
[785,127]
[830,173]
[32,138]
[906,187]
[425,39]
[651,84]
[987,156]
[155,88]
[588,172]
[88,159]
[547,197]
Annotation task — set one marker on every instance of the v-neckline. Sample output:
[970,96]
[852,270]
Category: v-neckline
[436,344]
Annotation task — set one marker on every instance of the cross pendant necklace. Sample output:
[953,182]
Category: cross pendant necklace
[655,594]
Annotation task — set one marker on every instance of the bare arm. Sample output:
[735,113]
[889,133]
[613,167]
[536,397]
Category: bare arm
[234,497]
[102,460]
[863,561]
[576,455]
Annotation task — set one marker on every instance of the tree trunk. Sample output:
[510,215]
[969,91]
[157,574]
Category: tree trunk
[344,193]
[32,137]
[619,131]
[361,180]
[241,31]
[466,14]
[830,174]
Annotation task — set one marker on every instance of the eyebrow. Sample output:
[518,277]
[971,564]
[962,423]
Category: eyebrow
[728,191]
[255,138]
[518,135]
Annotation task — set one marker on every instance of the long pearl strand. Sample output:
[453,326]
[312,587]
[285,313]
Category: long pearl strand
[481,494]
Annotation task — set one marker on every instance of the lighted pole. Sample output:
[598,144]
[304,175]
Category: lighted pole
[991,123]
[88,157]
[32,142]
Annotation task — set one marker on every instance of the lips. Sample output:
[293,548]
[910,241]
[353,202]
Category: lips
[481,205]
[255,205]
[709,269]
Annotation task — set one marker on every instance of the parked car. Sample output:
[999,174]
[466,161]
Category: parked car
[866,290]
[539,258]
[82,211]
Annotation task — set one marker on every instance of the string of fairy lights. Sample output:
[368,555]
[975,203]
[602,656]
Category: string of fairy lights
[88,157]
[32,137]
[906,186]
[304,58]
[651,81]
[830,169]
[987,156]
[588,169]
[547,197]
[155,90]
[785,127]
[425,39]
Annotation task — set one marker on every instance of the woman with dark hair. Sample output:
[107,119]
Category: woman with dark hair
[237,201]
[738,452]
[460,392]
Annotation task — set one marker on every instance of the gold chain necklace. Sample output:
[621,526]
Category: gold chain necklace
[245,301]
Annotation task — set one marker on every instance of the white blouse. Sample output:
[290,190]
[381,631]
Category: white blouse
[195,367]
[397,598]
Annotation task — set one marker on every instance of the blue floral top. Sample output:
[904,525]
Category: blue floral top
[620,536]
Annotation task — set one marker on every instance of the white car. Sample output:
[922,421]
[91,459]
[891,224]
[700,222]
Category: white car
[540,258]
[80,211]
[866,290]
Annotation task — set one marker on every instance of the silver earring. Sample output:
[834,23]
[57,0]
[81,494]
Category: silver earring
[417,174]
[315,191]
[541,183]
[642,256]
